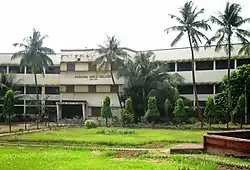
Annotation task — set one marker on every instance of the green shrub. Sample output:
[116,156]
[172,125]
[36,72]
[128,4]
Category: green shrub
[106,110]
[110,131]
[209,111]
[179,110]
[89,124]
[239,110]
[127,114]
[152,111]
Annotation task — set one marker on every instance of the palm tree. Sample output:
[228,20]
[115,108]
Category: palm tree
[10,82]
[111,57]
[189,23]
[229,22]
[147,77]
[35,56]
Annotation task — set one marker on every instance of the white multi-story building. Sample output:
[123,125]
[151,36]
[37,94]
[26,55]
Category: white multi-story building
[74,86]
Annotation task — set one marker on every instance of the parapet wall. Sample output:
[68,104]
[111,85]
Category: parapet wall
[234,143]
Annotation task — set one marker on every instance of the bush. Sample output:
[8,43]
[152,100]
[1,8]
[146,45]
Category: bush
[89,124]
[209,111]
[110,131]
[152,113]
[179,110]
[106,110]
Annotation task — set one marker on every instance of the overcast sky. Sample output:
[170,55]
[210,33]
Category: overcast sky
[76,24]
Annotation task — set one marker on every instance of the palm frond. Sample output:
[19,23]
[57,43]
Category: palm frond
[177,18]
[175,28]
[217,21]
[177,39]
[245,50]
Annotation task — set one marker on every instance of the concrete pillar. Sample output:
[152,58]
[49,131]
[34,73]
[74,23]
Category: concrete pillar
[25,70]
[84,116]
[57,113]
[235,63]
[7,69]
[175,66]
[214,62]
[214,89]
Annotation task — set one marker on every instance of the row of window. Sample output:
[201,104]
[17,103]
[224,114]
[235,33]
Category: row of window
[91,88]
[56,90]
[208,65]
[201,89]
[17,69]
[181,66]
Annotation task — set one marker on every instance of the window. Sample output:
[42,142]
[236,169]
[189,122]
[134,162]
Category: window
[240,62]
[20,88]
[95,111]
[18,109]
[70,66]
[92,88]
[92,67]
[29,70]
[31,110]
[184,66]
[53,70]
[204,65]
[222,64]
[19,102]
[114,88]
[185,89]
[52,90]
[205,89]
[171,67]
[70,88]
[15,69]
[218,88]
[202,103]
[50,102]
[32,90]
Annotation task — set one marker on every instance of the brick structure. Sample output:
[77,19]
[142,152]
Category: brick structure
[236,143]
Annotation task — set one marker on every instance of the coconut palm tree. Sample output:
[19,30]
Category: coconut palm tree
[111,57]
[147,77]
[190,25]
[230,23]
[34,55]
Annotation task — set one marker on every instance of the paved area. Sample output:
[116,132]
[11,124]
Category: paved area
[187,148]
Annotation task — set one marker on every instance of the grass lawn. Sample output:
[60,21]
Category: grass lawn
[141,136]
[30,158]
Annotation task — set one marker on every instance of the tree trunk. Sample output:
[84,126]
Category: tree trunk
[9,122]
[113,80]
[241,122]
[37,99]
[106,121]
[228,75]
[153,124]
[194,83]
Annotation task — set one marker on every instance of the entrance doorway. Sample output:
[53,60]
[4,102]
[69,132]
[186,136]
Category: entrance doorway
[71,111]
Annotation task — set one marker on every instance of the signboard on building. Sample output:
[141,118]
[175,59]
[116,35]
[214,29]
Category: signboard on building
[93,77]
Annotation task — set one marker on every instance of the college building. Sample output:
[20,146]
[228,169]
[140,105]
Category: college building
[74,86]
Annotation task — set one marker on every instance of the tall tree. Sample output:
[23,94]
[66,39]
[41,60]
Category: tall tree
[230,23]
[147,77]
[189,24]
[111,57]
[35,56]
[8,106]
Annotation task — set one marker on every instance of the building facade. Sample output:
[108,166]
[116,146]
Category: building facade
[74,86]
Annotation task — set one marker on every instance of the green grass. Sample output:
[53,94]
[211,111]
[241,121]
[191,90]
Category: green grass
[81,135]
[29,158]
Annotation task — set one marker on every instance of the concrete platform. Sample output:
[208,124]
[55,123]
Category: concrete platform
[185,148]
